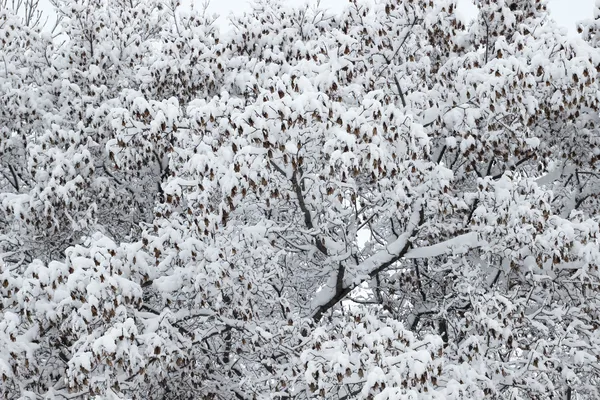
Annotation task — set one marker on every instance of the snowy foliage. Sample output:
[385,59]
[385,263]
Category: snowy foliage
[388,203]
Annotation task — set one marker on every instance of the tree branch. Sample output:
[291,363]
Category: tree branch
[372,266]
[441,248]
[400,91]
[14,175]
[307,217]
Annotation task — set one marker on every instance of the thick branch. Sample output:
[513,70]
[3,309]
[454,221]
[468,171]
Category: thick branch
[339,284]
[419,285]
[14,175]
[307,217]
[397,82]
[438,249]
[372,266]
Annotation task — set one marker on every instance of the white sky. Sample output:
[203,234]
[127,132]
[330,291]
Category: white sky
[565,12]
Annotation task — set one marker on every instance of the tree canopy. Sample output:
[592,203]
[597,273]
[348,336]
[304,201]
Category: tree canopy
[386,203]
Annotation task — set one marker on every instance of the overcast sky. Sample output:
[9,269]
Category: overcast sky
[565,12]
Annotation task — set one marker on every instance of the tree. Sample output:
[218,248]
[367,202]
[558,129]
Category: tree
[385,203]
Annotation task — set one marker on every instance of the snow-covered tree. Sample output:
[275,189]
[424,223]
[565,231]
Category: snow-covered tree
[391,202]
